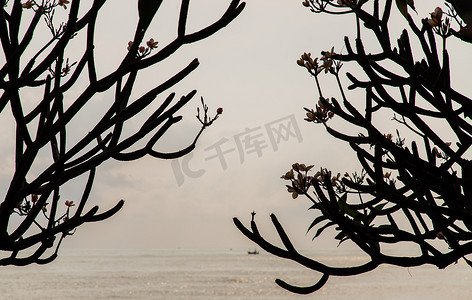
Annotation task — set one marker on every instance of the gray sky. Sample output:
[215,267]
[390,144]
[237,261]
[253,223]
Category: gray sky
[249,69]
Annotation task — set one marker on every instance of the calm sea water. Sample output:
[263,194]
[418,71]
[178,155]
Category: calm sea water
[212,274]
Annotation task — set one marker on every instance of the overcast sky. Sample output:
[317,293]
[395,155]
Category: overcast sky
[249,69]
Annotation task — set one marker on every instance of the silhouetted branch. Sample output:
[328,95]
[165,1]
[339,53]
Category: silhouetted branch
[35,197]
[406,195]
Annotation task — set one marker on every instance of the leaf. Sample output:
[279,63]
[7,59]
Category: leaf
[316,221]
[467,261]
[403,6]
[367,220]
[373,213]
[344,207]
[146,11]
[341,237]
[319,231]
[392,221]
[386,226]
[380,206]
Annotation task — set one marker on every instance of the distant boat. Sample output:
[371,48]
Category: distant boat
[253,252]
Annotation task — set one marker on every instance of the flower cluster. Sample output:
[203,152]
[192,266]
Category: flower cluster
[307,62]
[306,3]
[389,179]
[346,3]
[440,26]
[46,6]
[440,154]
[335,182]
[64,71]
[206,120]
[326,62]
[63,3]
[28,4]
[144,50]
[321,114]
[436,17]
[327,59]
[399,142]
[324,176]
[356,178]
[25,206]
[299,182]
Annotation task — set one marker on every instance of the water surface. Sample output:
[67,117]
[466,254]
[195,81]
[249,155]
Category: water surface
[219,274]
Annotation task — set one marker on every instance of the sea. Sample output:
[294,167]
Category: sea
[219,274]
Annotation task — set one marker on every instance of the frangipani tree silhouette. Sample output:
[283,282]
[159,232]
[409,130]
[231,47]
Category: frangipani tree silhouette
[33,218]
[414,191]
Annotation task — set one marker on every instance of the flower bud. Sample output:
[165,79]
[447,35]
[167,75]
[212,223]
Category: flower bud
[28,4]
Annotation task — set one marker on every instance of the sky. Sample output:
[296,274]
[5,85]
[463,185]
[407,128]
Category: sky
[249,69]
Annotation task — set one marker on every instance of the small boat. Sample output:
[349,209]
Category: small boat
[253,252]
